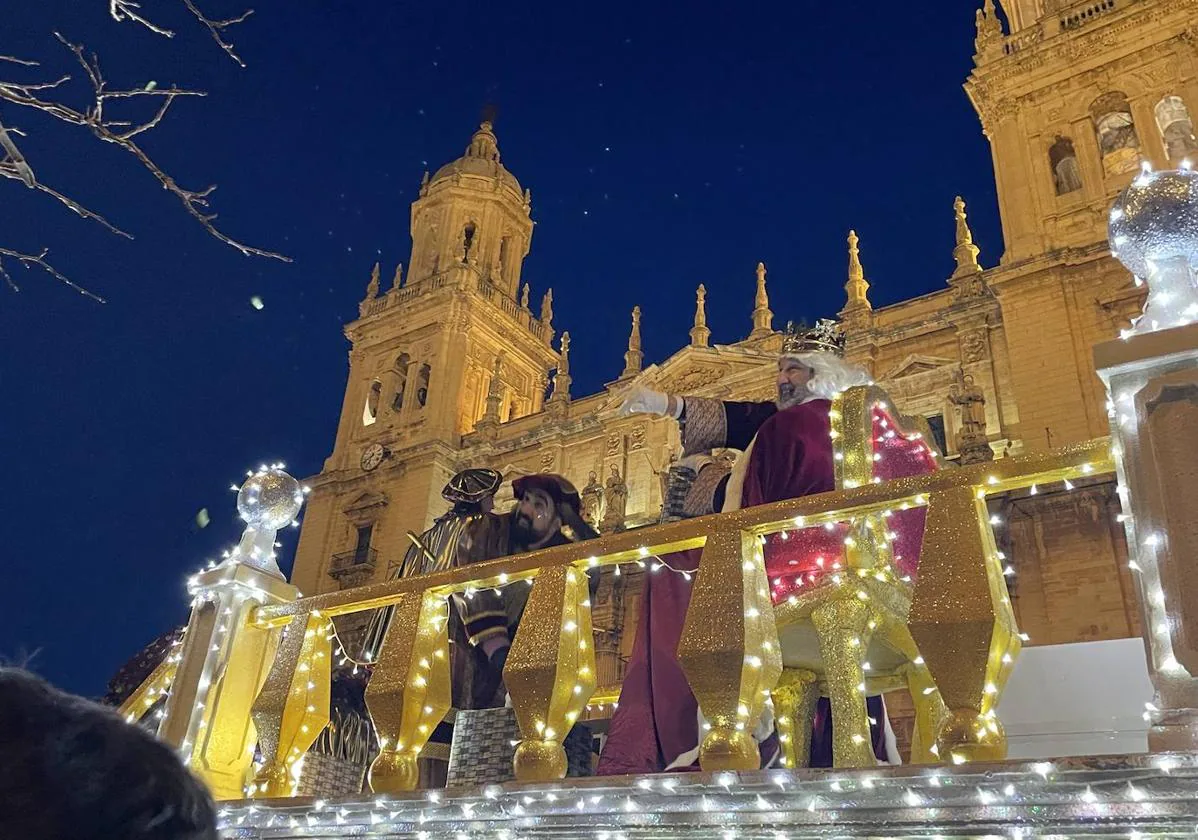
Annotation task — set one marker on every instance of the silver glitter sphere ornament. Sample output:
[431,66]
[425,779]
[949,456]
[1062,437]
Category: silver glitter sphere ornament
[1156,218]
[269,499]
[1153,231]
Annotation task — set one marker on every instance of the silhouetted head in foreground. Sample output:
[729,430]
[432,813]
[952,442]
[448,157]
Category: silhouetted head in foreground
[74,770]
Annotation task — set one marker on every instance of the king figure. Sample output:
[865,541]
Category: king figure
[786,452]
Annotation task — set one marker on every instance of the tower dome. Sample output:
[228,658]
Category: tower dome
[481,159]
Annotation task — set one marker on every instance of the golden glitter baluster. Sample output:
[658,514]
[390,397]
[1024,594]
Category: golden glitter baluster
[729,648]
[550,672]
[930,712]
[409,690]
[961,619]
[844,632]
[795,698]
[293,706]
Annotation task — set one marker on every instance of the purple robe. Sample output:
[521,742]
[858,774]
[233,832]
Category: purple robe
[657,720]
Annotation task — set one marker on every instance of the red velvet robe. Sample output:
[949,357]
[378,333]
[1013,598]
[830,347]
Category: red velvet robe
[657,720]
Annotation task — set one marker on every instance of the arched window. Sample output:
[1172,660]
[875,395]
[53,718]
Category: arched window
[422,384]
[1066,174]
[1177,129]
[1117,140]
[370,411]
[467,240]
[401,380]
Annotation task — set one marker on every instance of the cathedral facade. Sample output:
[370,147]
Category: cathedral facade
[452,366]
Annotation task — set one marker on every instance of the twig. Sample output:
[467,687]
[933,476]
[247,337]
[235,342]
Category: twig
[30,260]
[16,60]
[8,171]
[14,159]
[217,27]
[125,9]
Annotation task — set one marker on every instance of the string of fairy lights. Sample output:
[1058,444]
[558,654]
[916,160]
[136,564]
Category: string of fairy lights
[647,560]
[1039,799]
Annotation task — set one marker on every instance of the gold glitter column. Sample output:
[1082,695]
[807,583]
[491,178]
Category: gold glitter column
[293,706]
[961,619]
[409,690]
[795,698]
[729,648]
[550,672]
[844,635]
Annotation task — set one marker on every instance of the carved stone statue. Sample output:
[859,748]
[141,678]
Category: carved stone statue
[524,296]
[972,442]
[592,500]
[617,501]
[372,288]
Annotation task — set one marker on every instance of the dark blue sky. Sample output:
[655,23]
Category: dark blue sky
[666,145]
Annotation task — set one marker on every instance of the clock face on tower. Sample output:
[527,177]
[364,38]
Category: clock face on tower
[372,456]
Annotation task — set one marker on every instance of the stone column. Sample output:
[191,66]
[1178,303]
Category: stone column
[225,657]
[1152,381]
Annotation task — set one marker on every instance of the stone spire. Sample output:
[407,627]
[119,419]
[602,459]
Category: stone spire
[699,332]
[634,358]
[561,379]
[763,319]
[857,287]
[397,280]
[372,288]
[966,253]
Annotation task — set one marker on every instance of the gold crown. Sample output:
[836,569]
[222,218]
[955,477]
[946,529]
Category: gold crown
[825,337]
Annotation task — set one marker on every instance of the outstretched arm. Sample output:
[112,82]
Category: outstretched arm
[707,424]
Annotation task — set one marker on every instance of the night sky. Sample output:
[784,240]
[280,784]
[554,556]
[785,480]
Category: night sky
[664,148]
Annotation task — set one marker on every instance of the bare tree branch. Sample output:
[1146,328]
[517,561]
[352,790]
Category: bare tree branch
[122,10]
[195,202]
[119,132]
[217,28]
[39,260]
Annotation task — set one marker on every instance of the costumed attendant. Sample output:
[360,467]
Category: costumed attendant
[786,453]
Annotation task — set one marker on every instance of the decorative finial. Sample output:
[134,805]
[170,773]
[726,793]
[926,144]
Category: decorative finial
[524,293]
[372,288]
[763,319]
[988,40]
[424,180]
[495,390]
[547,309]
[966,253]
[857,288]
[484,143]
[634,357]
[700,334]
[397,280]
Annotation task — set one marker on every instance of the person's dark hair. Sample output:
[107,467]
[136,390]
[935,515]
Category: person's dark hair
[73,770]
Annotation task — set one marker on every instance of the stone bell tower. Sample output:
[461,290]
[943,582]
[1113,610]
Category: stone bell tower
[451,348]
[1074,96]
